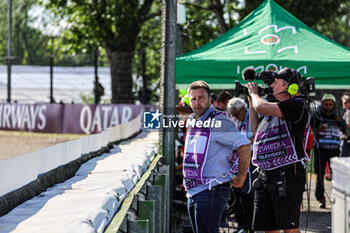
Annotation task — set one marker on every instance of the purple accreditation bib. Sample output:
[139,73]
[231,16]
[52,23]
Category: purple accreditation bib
[234,161]
[243,127]
[273,146]
[196,150]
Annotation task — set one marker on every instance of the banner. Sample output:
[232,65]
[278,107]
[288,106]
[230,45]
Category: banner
[65,118]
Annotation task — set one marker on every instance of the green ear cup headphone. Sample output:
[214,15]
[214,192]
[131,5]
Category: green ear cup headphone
[293,87]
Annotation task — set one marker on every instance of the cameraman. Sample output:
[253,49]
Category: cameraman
[279,153]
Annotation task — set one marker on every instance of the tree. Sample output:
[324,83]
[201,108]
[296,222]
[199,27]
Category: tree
[207,19]
[328,17]
[146,60]
[28,43]
[338,29]
[310,12]
[201,27]
[113,25]
[216,7]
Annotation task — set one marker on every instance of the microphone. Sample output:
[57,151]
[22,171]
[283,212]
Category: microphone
[248,74]
[282,92]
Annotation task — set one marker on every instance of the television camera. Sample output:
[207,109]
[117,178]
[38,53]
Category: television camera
[305,86]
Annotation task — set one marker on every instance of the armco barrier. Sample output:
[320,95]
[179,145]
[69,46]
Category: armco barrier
[25,176]
[144,208]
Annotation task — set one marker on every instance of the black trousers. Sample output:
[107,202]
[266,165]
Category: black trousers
[244,202]
[345,148]
[322,156]
[243,209]
[273,212]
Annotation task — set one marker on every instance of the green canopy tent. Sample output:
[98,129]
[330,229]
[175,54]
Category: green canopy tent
[269,38]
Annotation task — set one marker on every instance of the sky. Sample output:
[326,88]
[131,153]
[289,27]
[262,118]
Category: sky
[44,23]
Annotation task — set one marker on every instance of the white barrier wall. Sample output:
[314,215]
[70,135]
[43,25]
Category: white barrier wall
[116,136]
[94,142]
[340,194]
[48,159]
[21,170]
[104,138]
[18,171]
[110,135]
[86,202]
[73,149]
[84,145]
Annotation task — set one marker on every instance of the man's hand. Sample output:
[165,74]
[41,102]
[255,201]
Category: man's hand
[252,88]
[323,127]
[338,119]
[237,181]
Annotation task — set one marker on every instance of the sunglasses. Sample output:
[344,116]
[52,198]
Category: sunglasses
[330,105]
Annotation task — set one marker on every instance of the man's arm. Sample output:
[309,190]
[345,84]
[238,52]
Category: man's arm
[347,117]
[343,126]
[243,164]
[261,106]
[315,124]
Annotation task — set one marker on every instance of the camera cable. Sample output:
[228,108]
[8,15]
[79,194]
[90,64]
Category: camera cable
[310,106]
[308,184]
[308,190]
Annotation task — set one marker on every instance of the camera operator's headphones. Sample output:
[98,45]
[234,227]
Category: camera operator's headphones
[293,80]
[293,88]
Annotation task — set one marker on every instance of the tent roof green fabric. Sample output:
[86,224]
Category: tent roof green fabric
[269,38]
